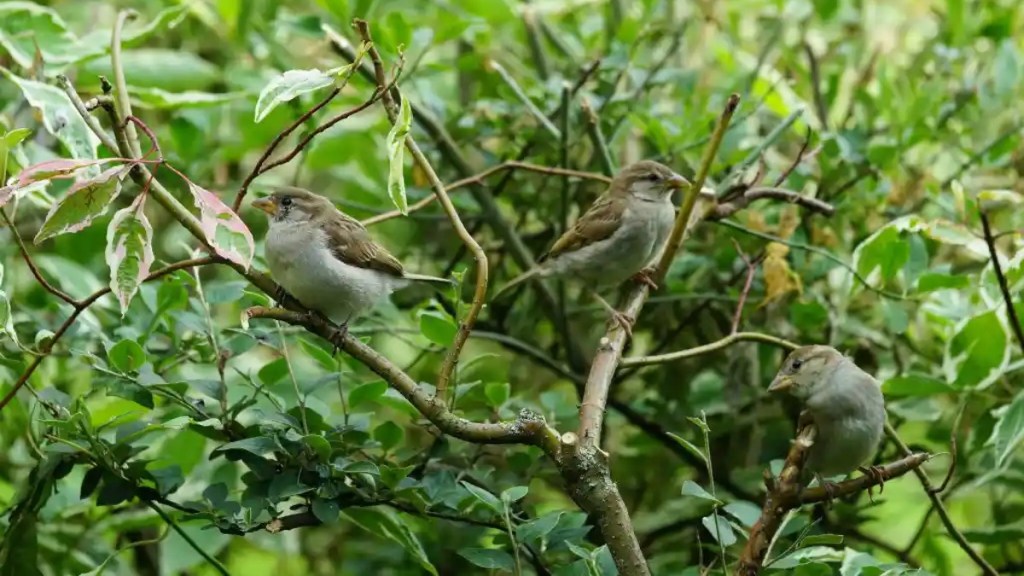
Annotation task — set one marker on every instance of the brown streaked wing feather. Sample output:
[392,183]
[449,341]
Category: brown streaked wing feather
[597,223]
[351,243]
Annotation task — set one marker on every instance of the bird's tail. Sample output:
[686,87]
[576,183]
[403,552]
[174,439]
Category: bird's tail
[515,282]
[430,279]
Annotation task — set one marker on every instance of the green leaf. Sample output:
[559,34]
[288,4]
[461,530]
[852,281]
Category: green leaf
[514,494]
[720,529]
[319,445]
[129,251]
[1005,534]
[484,496]
[689,446]
[396,157]
[322,357]
[85,201]
[1008,431]
[489,558]
[747,513]
[497,393]
[437,326]
[821,540]
[6,319]
[384,522]
[223,229]
[60,118]
[932,281]
[388,434]
[538,527]
[259,446]
[884,250]
[159,99]
[915,385]
[326,511]
[287,86]
[365,393]
[126,356]
[691,488]
[978,352]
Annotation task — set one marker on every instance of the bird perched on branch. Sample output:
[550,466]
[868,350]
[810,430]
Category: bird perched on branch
[326,259]
[620,236]
[845,404]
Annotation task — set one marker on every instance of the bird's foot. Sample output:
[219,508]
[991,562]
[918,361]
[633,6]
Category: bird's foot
[338,338]
[644,277]
[625,321]
[877,474]
[280,295]
[831,490]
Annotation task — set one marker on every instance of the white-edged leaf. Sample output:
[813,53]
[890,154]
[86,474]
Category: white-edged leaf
[84,202]
[60,118]
[6,319]
[129,251]
[978,353]
[289,85]
[396,157]
[224,230]
[57,168]
[156,98]
[1009,429]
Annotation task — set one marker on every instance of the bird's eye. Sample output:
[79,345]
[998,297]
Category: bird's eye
[797,364]
[286,201]
[651,177]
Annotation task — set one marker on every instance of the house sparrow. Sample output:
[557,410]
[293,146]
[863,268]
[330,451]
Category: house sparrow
[620,236]
[845,404]
[326,259]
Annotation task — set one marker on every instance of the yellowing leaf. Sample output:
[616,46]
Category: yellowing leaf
[779,279]
[129,251]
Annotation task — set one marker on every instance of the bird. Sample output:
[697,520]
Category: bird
[326,259]
[620,236]
[844,403]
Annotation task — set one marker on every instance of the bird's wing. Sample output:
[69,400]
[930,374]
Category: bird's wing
[349,241]
[597,223]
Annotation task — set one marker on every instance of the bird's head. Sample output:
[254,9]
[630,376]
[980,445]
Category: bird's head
[649,181]
[805,369]
[289,204]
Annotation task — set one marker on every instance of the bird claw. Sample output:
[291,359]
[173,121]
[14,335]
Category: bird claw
[624,321]
[338,338]
[877,474]
[280,295]
[644,277]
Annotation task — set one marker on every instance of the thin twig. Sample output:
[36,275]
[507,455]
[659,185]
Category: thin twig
[799,158]
[815,80]
[597,138]
[188,539]
[709,348]
[1004,286]
[479,178]
[751,271]
[32,265]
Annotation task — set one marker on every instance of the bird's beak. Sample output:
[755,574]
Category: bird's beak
[267,205]
[781,383]
[677,182]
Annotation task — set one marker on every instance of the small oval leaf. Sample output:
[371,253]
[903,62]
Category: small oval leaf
[289,85]
[229,237]
[84,202]
[129,251]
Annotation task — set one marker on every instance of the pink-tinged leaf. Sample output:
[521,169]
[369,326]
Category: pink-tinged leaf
[6,193]
[129,251]
[59,168]
[84,202]
[224,230]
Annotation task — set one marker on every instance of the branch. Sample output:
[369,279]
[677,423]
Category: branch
[389,96]
[1004,286]
[528,428]
[709,348]
[32,265]
[727,209]
[940,508]
[786,493]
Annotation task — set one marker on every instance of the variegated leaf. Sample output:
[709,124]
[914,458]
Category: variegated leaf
[129,251]
[84,202]
[224,230]
[396,157]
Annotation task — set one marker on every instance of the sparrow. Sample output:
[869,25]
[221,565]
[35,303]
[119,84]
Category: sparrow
[845,404]
[620,236]
[326,259]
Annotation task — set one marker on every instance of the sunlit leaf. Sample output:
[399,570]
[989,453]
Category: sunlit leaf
[287,86]
[224,230]
[978,352]
[1009,429]
[129,251]
[396,157]
[84,202]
